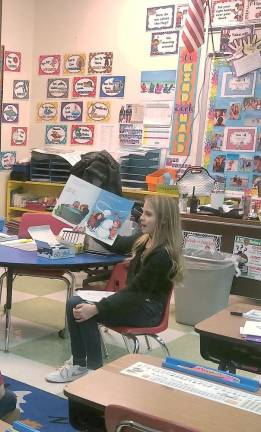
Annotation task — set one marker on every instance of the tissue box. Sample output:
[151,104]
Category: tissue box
[55,252]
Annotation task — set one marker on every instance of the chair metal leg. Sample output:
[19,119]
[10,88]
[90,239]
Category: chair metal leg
[135,341]
[162,344]
[148,342]
[103,343]
[70,290]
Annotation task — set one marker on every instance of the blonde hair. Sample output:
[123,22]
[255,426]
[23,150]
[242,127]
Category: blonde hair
[167,232]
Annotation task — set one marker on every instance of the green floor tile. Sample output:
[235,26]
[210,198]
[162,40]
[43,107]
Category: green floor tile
[38,286]
[42,311]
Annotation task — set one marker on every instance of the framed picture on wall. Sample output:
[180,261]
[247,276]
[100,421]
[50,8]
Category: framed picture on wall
[233,86]
[240,139]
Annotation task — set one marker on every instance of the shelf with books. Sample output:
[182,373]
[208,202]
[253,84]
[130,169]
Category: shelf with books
[36,192]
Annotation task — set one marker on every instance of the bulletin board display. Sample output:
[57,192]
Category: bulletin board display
[232,138]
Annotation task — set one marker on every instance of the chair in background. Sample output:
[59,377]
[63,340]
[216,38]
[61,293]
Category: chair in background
[36,219]
[121,419]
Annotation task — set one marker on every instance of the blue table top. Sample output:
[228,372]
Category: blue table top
[11,257]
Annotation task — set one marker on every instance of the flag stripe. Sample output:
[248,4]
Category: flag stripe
[193,32]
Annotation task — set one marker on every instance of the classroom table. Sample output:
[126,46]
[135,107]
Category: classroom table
[221,342]
[90,395]
[15,260]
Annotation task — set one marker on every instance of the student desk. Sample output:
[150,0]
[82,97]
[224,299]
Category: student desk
[89,395]
[220,340]
[16,260]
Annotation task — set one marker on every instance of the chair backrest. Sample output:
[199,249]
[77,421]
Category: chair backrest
[118,277]
[121,419]
[34,219]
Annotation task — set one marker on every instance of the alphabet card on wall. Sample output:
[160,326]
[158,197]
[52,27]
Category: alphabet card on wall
[21,89]
[112,86]
[84,86]
[58,88]
[55,134]
[98,111]
[74,64]
[82,134]
[47,111]
[19,136]
[160,17]
[10,113]
[71,111]
[100,62]
[49,64]
[164,43]
[12,61]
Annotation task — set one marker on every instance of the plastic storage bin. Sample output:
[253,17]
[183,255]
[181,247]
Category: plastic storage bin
[205,289]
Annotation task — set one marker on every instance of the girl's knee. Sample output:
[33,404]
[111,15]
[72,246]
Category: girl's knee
[72,302]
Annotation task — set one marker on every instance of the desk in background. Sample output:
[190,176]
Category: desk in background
[91,394]
[17,259]
[220,341]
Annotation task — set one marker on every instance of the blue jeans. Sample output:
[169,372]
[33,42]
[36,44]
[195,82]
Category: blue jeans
[85,336]
[7,403]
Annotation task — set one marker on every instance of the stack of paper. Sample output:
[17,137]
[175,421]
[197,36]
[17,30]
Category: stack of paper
[6,237]
[252,331]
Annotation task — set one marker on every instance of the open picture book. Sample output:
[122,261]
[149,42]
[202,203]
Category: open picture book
[93,210]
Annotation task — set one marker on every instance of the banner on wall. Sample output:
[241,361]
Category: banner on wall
[185,95]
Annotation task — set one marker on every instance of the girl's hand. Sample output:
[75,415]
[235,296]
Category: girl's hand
[83,312]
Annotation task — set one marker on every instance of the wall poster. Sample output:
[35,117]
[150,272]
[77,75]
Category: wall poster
[100,62]
[58,88]
[98,111]
[112,86]
[184,103]
[55,134]
[74,64]
[82,134]
[21,89]
[201,241]
[47,111]
[160,84]
[49,64]
[71,111]
[84,86]
[164,43]
[10,113]
[7,160]
[161,17]
[19,136]
[12,61]
[249,251]
[224,11]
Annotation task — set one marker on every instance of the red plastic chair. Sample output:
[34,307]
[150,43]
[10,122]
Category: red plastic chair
[133,332]
[122,419]
[36,219]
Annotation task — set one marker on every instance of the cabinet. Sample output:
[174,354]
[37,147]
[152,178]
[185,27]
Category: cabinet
[33,189]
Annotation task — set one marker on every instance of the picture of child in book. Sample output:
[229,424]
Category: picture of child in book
[234,112]
[114,229]
[97,218]
[219,163]
[219,117]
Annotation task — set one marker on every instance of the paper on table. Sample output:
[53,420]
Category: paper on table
[43,234]
[253,314]
[252,328]
[93,296]
[23,244]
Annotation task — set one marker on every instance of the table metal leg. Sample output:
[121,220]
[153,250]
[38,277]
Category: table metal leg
[8,306]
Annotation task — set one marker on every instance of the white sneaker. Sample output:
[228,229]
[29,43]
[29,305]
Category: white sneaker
[66,373]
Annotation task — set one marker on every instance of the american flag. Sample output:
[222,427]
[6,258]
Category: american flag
[193,32]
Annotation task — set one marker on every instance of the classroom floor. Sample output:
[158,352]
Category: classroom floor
[38,315]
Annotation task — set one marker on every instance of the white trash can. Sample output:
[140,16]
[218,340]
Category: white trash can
[206,287]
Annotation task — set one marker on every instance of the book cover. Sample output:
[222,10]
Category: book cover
[95,211]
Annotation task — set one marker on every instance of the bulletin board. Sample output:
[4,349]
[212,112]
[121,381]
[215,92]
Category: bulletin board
[232,138]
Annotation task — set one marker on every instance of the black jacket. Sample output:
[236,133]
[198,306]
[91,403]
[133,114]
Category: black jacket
[100,169]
